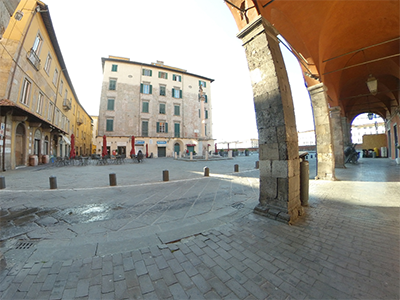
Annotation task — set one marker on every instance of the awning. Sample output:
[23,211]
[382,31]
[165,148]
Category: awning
[66,140]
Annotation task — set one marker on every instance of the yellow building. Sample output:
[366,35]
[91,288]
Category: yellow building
[39,109]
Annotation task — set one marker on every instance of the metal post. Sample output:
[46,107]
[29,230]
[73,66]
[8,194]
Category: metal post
[2,182]
[165,175]
[304,182]
[206,171]
[53,182]
[113,179]
[236,168]
[257,164]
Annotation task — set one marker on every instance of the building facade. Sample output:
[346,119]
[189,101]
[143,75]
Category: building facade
[166,109]
[39,109]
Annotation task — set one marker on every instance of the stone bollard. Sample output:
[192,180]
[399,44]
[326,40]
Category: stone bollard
[53,182]
[113,179]
[2,182]
[165,174]
[257,164]
[236,168]
[206,171]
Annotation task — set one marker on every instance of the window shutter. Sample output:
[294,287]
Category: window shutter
[151,72]
[166,75]
[180,94]
[159,74]
[158,126]
[199,82]
[205,98]
[166,127]
[173,93]
[141,87]
[151,88]
[205,84]
[142,71]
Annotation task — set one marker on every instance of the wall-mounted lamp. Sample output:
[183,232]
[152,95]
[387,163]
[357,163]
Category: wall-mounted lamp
[18,15]
[370,116]
[372,84]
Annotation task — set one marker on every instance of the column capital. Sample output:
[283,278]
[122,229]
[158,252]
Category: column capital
[318,88]
[258,26]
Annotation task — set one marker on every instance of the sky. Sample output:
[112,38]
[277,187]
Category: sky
[196,35]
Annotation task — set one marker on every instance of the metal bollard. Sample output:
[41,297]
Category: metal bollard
[165,175]
[257,164]
[2,182]
[113,179]
[206,171]
[53,182]
[304,182]
[236,168]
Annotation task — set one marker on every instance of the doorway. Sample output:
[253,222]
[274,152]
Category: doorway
[162,151]
[177,148]
[20,145]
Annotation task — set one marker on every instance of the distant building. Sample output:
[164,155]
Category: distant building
[39,109]
[306,138]
[363,126]
[161,106]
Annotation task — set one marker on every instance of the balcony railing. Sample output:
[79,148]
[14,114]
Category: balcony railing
[34,59]
[67,104]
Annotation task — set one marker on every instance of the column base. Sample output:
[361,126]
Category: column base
[278,214]
[327,177]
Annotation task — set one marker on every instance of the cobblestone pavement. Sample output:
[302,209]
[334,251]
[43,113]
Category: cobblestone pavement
[200,239]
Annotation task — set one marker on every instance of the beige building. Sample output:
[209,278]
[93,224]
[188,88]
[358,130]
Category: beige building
[166,109]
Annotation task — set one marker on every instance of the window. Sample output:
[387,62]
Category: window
[176,93]
[145,107]
[162,108]
[162,127]
[177,110]
[110,125]
[61,87]
[37,44]
[26,89]
[176,78]
[202,83]
[50,111]
[162,90]
[56,116]
[110,104]
[177,130]
[146,88]
[163,75]
[114,68]
[48,63]
[39,104]
[112,85]
[55,77]
[146,72]
[145,128]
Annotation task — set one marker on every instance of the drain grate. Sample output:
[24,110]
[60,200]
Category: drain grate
[22,245]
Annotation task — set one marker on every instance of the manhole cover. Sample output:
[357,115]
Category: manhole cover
[238,205]
[24,245]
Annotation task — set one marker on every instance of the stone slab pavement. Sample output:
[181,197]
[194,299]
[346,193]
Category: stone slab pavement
[196,237]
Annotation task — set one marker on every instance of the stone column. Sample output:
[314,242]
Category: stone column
[278,144]
[323,133]
[338,145]
[346,132]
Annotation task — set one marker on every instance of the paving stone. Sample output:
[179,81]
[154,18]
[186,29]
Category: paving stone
[69,294]
[26,283]
[189,268]
[120,289]
[201,283]
[177,291]
[184,280]
[49,282]
[208,261]
[107,267]
[97,262]
[117,259]
[168,276]
[131,279]
[237,288]
[205,271]
[119,273]
[85,271]
[140,268]
[21,275]
[145,284]
[154,272]
[82,288]
[237,275]
[107,284]
[58,289]
[161,262]
[161,289]
[127,263]
[175,265]
[36,268]
[221,274]
[95,292]
[219,287]
[193,258]
[41,276]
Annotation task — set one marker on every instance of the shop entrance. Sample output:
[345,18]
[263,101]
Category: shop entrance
[20,145]
[162,151]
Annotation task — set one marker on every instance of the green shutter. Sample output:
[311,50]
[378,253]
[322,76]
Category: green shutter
[166,127]
[141,87]
[151,72]
[142,71]
[199,82]
[158,126]
[159,74]
[173,91]
[205,84]
[206,113]
[166,75]
[205,96]
[180,94]
[151,88]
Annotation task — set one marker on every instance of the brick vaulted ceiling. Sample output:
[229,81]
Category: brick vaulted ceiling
[339,43]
